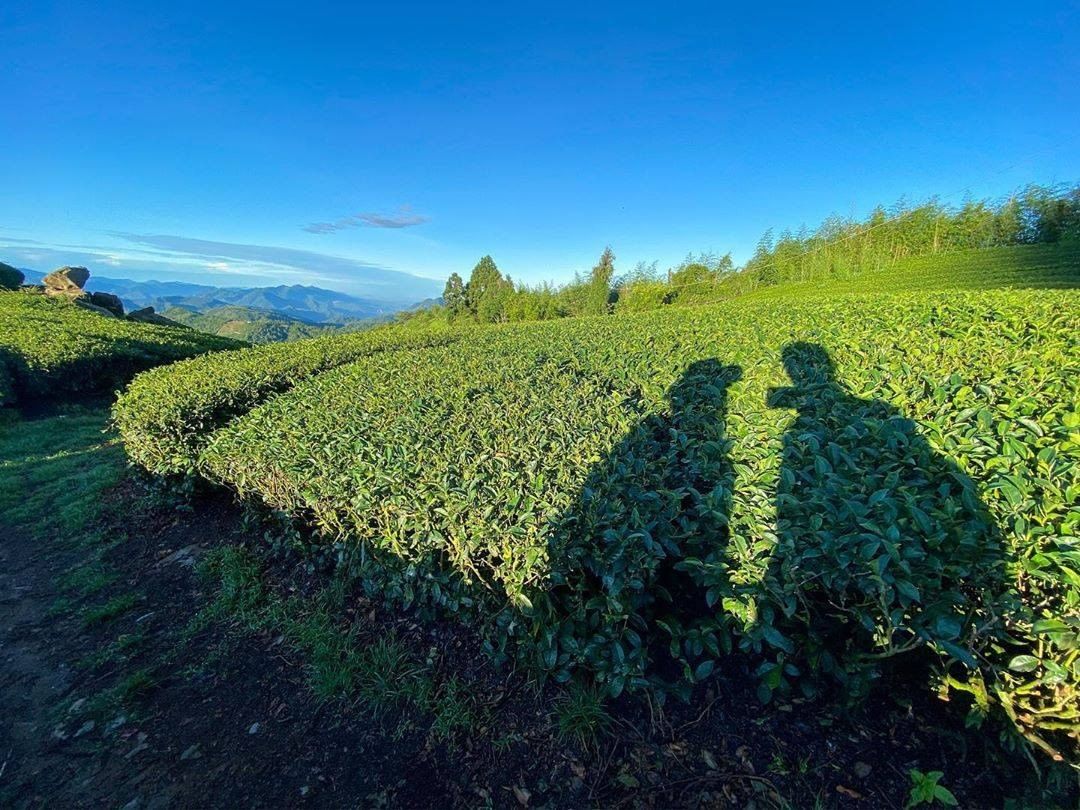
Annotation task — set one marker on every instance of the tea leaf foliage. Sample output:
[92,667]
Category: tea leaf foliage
[836,485]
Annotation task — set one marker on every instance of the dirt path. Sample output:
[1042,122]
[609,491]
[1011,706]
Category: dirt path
[242,730]
[33,679]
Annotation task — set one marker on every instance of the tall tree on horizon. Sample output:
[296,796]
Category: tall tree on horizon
[598,298]
[488,291]
[454,295]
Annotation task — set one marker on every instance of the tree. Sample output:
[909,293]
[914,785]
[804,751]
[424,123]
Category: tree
[760,263]
[598,294]
[454,295]
[488,291]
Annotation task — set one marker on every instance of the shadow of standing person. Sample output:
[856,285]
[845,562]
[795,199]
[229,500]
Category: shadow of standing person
[883,545]
[662,495]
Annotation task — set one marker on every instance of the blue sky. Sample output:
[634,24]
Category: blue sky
[344,145]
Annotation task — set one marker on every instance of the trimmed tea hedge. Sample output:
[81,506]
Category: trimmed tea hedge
[51,348]
[166,418]
[833,485]
[1053,266]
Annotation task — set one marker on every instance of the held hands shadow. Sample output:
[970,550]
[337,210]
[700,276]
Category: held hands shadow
[883,546]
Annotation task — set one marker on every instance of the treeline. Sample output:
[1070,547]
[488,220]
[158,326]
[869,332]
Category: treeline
[489,296]
[838,248]
[845,247]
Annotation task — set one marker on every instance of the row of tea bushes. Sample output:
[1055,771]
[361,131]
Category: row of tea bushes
[50,348]
[833,485]
[166,416]
[1048,266]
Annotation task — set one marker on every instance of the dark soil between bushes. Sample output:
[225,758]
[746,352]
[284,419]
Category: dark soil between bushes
[224,717]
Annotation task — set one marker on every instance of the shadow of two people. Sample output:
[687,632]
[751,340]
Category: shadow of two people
[881,543]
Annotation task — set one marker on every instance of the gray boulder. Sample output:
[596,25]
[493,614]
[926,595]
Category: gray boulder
[108,301]
[84,302]
[147,315]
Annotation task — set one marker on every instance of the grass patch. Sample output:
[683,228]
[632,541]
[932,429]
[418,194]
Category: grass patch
[55,471]
[580,716]
[63,606]
[86,580]
[455,710]
[384,674]
[116,606]
[123,695]
[117,652]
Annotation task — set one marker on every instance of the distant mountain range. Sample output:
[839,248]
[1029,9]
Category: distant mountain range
[252,325]
[312,305]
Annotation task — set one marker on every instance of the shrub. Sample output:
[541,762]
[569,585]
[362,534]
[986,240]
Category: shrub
[630,498]
[166,418]
[51,348]
[642,296]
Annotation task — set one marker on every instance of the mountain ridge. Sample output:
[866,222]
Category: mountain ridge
[302,302]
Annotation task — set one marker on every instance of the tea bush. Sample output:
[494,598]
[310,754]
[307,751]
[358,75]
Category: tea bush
[1054,266]
[51,348]
[165,417]
[831,484]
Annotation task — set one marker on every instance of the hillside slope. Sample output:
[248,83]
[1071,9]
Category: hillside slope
[303,303]
[50,348]
[248,324]
[1047,266]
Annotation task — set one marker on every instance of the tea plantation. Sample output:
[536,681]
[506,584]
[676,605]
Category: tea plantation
[168,415]
[845,487]
[1055,266]
[51,348]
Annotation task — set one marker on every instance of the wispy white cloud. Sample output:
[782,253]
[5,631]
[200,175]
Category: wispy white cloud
[165,257]
[404,218]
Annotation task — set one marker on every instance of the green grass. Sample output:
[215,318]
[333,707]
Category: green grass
[54,472]
[86,579]
[580,716]
[381,671]
[116,652]
[106,612]
[57,476]
[454,710]
[50,348]
[121,696]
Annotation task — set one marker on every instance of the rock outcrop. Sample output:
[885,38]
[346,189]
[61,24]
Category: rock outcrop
[10,277]
[147,315]
[67,281]
[84,302]
[108,301]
